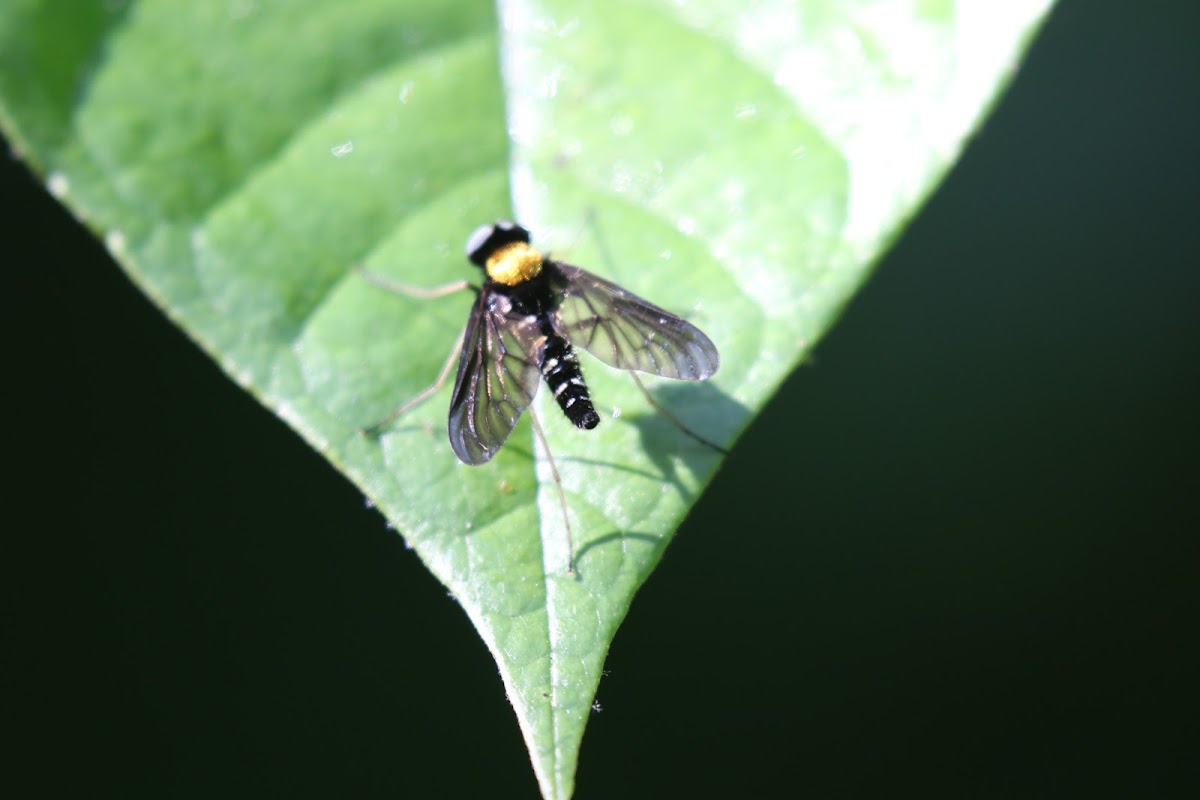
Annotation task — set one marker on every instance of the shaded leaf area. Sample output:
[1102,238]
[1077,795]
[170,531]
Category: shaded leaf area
[740,167]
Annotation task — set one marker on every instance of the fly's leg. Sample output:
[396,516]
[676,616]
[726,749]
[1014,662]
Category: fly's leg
[377,428]
[671,418]
[420,293]
[562,497]
[606,256]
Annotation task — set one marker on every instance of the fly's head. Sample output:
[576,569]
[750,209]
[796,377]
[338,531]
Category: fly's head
[502,251]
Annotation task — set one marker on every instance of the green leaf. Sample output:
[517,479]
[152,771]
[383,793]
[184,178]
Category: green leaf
[742,164]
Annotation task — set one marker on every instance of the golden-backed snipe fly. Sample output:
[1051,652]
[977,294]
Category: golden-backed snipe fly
[530,314]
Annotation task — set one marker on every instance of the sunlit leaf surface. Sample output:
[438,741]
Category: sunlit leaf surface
[742,165]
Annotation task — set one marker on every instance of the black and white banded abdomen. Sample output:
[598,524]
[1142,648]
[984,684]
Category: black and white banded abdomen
[560,368]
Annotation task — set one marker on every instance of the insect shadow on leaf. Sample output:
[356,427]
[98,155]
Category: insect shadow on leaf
[528,317]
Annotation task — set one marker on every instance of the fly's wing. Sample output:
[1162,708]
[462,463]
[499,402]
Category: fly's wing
[624,331]
[498,374]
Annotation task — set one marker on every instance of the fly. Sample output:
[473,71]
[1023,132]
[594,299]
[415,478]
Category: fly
[528,317]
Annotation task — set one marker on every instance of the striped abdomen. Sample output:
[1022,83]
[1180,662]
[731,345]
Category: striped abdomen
[560,368]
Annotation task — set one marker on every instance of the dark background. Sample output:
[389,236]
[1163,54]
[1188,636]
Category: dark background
[973,566]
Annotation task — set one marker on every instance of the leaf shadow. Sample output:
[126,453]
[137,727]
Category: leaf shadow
[705,409]
[666,445]
[616,536]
